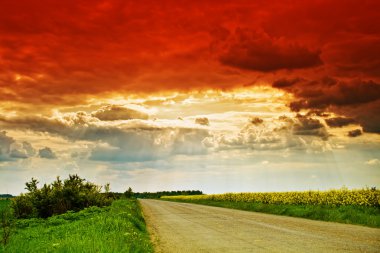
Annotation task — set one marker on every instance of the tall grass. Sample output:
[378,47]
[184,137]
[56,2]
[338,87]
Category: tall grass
[117,228]
[4,203]
[6,221]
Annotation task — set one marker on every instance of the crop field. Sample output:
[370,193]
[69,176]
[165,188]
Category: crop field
[116,228]
[363,197]
[345,206]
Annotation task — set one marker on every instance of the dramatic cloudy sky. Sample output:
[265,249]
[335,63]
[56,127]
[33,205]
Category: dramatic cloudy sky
[212,95]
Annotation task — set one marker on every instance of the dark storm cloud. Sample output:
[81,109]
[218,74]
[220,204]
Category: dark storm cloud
[339,122]
[357,99]
[354,57]
[309,126]
[325,92]
[284,82]
[355,133]
[259,52]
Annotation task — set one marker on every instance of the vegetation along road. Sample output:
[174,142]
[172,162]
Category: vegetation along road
[184,227]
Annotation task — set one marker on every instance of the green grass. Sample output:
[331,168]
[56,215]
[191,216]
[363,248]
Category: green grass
[117,228]
[4,203]
[367,216]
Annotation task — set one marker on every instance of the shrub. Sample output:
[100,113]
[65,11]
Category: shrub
[23,206]
[74,194]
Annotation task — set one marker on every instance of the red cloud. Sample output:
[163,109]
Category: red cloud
[52,50]
[259,52]
[354,57]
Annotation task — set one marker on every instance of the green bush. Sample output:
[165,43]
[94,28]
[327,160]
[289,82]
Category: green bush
[74,194]
[23,206]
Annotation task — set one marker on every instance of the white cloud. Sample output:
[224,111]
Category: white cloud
[5,145]
[281,133]
[247,141]
[11,149]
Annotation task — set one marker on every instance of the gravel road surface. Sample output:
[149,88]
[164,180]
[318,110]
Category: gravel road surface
[182,228]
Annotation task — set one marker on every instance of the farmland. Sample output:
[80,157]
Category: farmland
[120,226]
[345,206]
[116,228]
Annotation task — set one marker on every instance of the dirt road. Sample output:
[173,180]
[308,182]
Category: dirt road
[181,227]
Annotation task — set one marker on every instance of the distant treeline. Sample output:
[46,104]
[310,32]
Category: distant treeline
[156,195]
[149,195]
[3,196]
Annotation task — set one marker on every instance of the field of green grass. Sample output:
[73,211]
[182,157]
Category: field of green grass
[116,228]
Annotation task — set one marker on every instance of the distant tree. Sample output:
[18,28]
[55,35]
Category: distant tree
[128,193]
[107,188]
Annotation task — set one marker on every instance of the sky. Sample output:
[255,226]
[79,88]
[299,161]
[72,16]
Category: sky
[218,96]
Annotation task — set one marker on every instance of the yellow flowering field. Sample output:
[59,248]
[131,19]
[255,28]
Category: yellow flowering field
[362,197]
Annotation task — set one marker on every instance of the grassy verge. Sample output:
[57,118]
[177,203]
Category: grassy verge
[117,228]
[4,203]
[367,216]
